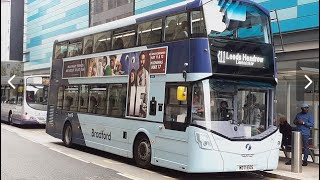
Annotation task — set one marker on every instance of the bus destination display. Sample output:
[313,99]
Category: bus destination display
[240,59]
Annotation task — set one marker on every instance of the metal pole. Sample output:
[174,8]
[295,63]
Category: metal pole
[296,152]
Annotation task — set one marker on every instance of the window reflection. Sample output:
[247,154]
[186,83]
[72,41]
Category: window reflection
[198,26]
[83,98]
[70,101]
[234,20]
[61,50]
[177,27]
[175,111]
[116,100]
[150,32]
[75,49]
[124,39]
[102,42]
[88,45]
[98,99]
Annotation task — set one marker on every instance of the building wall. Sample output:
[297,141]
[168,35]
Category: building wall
[12,29]
[5,29]
[103,11]
[46,20]
[142,6]
[294,14]
[16,30]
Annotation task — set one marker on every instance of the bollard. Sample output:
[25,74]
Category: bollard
[296,152]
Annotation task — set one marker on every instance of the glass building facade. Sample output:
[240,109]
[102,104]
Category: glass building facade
[103,11]
[45,20]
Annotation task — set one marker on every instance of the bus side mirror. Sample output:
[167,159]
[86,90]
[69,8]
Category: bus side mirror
[182,93]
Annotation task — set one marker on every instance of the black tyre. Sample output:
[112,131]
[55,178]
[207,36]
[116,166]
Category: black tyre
[142,152]
[10,118]
[67,135]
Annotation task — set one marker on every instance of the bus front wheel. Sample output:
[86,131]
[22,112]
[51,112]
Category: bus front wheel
[142,152]
[67,135]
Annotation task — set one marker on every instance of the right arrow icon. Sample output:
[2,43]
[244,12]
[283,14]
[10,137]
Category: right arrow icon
[310,81]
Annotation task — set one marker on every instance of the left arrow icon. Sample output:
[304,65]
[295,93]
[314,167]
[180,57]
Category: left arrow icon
[9,82]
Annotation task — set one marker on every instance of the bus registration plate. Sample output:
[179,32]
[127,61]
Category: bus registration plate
[245,167]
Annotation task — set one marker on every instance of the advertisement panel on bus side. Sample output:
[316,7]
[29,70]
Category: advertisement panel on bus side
[116,65]
[148,62]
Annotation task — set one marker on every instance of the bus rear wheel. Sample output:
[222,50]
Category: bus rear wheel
[142,152]
[67,135]
[10,118]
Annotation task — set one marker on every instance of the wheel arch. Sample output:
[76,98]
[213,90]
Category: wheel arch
[140,132]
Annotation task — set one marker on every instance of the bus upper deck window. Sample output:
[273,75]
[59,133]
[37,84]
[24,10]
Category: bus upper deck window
[88,45]
[177,27]
[118,43]
[102,42]
[150,32]
[61,50]
[197,24]
[75,48]
[124,39]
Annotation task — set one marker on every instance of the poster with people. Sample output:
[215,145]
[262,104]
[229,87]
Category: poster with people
[137,65]
[141,66]
[138,85]
[105,66]
[111,65]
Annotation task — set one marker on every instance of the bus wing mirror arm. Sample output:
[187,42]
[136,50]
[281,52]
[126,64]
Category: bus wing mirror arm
[184,72]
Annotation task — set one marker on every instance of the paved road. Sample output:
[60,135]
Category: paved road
[32,154]
[23,159]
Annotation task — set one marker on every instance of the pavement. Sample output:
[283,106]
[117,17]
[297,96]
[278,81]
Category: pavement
[283,171]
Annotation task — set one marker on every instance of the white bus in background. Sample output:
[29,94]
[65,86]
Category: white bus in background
[27,102]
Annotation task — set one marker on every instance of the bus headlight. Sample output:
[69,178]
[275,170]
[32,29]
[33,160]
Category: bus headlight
[203,140]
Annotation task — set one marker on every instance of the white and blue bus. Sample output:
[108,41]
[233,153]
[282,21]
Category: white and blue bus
[25,102]
[189,87]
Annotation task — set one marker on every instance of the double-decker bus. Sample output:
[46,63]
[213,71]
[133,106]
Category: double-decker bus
[25,102]
[188,87]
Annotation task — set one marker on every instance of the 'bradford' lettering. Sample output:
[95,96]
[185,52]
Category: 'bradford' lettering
[101,135]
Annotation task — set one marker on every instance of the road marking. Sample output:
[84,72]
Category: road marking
[111,162]
[168,177]
[70,155]
[129,176]
[148,171]
[37,132]
[8,129]
[99,165]
[27,138]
